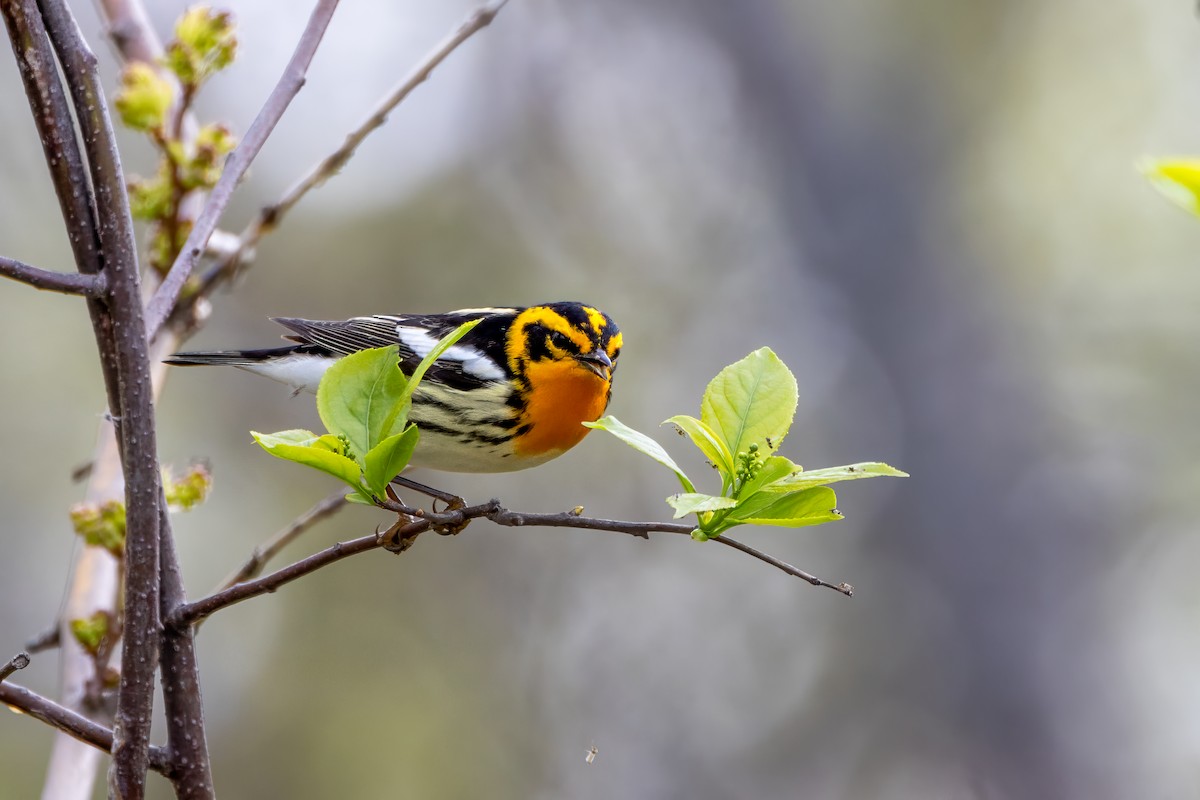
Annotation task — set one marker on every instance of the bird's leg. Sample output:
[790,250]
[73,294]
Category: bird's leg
[452,503]
[393,539]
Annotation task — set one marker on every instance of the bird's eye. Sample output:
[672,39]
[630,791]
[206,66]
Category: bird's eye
[560,340]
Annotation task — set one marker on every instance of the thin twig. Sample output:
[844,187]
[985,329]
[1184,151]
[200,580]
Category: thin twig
[19,661]
[568,519]
[455,519]
[49,280]
[46,640]
[270,216]
[271,547]
[24,701]
[844,588]
[236,165]
[198,610]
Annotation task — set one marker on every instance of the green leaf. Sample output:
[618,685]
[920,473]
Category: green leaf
[704,437]
[325,453]
[643,444]
[366,397]
[388,458]
[751,402]
[793,510]
[444,344]
[1178,179]
[828,475]
[358,395]
[696,503]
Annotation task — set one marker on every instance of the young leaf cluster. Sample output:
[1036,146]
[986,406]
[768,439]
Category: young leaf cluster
[204,44]
[103,524]
[744,416]
[363,400]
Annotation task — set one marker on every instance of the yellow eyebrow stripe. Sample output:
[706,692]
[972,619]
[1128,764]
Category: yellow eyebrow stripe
[596,318]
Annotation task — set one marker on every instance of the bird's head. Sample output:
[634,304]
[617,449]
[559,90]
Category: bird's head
[566,340]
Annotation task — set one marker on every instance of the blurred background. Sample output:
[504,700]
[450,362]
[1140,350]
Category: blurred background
[929,209]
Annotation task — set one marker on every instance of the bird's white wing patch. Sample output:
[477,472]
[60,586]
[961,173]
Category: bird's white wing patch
[473,362]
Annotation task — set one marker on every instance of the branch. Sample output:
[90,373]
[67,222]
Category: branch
[64,282]
[270,217]
[843,587]
[454,520]
[192,768]
[197,611]
[143,490]
[131,31]
[238,162]
[19,661]
[64,159]
[23,701]
[642,529]
[271,547]
[46,640]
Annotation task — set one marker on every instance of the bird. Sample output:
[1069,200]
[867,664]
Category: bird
[513,393]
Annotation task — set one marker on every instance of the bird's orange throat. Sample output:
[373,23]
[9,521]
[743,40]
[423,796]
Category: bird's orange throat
[565,395]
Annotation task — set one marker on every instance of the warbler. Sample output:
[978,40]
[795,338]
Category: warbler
[511,394]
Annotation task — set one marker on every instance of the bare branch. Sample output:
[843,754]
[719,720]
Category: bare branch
[197,611]
[188,746]
[143,490]
[569,520]
[844,588]
[72,185]
[237,164]
[271,547]
[23,701]
[63,282]
[19,661]
[270,217]
[130,30]
[46,640]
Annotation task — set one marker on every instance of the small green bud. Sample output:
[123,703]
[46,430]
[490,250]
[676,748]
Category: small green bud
[189,491]
[101,525]
[203,169]
[145,97]
[92,633]
[150,199]
[204,45]
[162,249]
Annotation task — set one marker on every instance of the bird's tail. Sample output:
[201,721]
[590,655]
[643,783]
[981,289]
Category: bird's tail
[234,358]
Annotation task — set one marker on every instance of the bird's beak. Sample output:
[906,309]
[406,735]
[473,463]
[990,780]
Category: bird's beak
[598,363]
